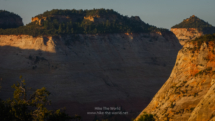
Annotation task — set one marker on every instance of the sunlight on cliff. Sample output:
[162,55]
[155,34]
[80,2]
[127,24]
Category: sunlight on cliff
[45,44]
[130,35]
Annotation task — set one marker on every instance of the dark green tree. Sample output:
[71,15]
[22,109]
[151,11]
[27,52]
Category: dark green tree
[60,29]
[30,108]
[72,31]
[67,29]
[20,103]
[146,117]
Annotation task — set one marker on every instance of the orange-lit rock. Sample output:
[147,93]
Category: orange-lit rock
[91,18]
[190,88]
[34,19]
[185,34]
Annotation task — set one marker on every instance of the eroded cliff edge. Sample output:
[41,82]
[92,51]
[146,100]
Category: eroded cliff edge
[86,70]
[188,94]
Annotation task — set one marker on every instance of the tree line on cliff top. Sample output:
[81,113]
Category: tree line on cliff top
[8,16]
[53,26]
[4,14]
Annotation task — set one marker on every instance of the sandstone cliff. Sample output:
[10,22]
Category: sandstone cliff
[186,34]
[191,28]
[83,71]
[9,20]
[188,94]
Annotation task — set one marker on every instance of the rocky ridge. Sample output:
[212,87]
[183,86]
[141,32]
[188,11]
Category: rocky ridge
[96,21]
[188,94]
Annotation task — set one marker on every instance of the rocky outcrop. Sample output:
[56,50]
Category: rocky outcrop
[38,21]
[186,34]
[83,71]
[9,20]
[91,18]
[188,94]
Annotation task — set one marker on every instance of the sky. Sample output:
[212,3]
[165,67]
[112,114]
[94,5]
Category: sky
[160,13]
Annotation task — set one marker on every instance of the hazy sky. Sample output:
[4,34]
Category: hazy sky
[160,13]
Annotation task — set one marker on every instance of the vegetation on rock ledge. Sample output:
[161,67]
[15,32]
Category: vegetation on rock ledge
[206,38]
[146,117]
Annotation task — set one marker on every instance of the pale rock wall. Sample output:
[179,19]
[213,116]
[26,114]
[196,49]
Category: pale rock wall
[189,34]
[185,34]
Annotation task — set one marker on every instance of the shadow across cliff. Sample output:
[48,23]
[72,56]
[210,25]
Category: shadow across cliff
[85,74]
[39,70]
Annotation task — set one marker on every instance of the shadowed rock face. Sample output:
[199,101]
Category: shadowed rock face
[188,94]
[85,71]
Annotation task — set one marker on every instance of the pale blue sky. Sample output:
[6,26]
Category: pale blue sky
[160,13]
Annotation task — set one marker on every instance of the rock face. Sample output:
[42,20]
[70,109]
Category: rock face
[188,94]
[186,34]
[191,28]
[9,20]
[84,71]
